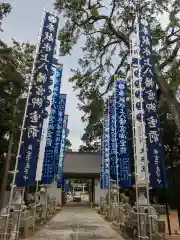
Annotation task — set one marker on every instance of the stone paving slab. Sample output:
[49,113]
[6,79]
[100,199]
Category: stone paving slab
[77,223]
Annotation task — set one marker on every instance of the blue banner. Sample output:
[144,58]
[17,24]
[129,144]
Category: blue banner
[37,103]
[106,164]
[47,173]
[102,165]
[112,138]
[123,164]
[44,133]
[155,151]
[67,148]
[60,166]
[67,132]
[66,186]
[54,133]
[60,139]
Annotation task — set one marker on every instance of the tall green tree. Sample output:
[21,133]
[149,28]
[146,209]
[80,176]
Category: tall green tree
[5,52]
[14,78]
[15,69]
[103,28]
[90,147]
[24,54]
[5,9]
[68,145]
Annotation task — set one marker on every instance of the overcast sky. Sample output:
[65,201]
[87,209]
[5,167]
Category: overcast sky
[23,25]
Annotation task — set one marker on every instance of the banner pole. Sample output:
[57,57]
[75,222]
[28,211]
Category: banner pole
[135,150]
[109,189]
[109,196]
[117,166]
[19,215]
[35,206]
[22,128]
[144,142]
[166,201]
[144,146]
[102,165]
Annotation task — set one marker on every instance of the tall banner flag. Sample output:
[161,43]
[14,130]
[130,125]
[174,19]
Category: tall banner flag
[47,173]
[106,163]
[66,186]
[37,103]
[60,165]
[57,112]
[60,139]
[137,110]
[123,164]
[60,157]
[67,134]
[112,138]
[155,151]
[102,164]
[44,132]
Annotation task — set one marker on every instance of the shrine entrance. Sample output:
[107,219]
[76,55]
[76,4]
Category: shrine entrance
[83,165]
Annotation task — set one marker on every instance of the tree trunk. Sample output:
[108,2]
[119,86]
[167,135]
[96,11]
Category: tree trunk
[172,103]
[5,172]
[8,158]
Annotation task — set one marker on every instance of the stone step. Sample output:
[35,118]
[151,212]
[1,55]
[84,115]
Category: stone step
[172,237]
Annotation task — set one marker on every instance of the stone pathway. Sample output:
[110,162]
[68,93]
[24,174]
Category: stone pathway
[173,217]
[77,222]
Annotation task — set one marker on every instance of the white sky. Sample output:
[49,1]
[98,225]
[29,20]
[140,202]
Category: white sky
[23,25]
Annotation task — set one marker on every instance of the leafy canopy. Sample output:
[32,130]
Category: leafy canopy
[15,68]
[103,27]
[68,145]
[5,9]
[14,76]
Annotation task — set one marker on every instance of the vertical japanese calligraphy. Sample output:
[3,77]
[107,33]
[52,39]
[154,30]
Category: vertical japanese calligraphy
[105,161]
[37,103]
[53,147]
[44,132]
[112,138]
[102,164]
[123,163]
[60,166]
[60,139]
[137,109]
[48,170]
[155,152]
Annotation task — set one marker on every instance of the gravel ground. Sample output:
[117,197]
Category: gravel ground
[77,222]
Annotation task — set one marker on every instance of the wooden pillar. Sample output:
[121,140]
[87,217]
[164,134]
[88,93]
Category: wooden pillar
[93,190]
[62,193]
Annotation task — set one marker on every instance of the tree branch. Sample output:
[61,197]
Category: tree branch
[88,73]
[109,44]
[113,8]
[171,58]
[116,72]
[89,4]
[119,35]
[171,101]
[169,42]
[94,19]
